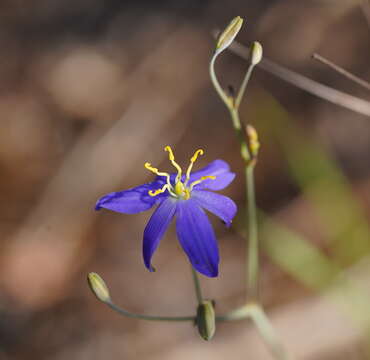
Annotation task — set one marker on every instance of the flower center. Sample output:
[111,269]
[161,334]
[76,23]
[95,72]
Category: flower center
[180,190]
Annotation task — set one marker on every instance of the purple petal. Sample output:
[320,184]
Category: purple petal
[156,228]
[218,168]
[130,201]
[217,204]
[197,237]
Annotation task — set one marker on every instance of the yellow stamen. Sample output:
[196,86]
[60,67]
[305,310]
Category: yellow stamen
[195,156]
[192,161]
[157,172]
[159,191]
[201,180]
[179,189]
[174,163]
[187,194]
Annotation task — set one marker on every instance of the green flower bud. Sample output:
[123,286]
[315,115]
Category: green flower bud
[253,142]
[98,287]
[256,52]
[229,34]
[206,320]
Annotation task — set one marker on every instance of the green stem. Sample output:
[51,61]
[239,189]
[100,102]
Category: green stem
[147,317]
[255,313]
[198,290]
[251,310]
[267,333]
[252,244]
[243,86]
[252,251]
[241,313]
[237,124]
[233,106]
[216,84]
[240,135]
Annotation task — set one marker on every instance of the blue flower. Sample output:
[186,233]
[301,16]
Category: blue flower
[184,196]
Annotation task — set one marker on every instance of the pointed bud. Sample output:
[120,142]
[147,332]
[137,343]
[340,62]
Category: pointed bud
[256,52]
[206,320]
[229,34]
[98,287]
[253,142]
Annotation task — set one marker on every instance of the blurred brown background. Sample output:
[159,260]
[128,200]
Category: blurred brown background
[90,90]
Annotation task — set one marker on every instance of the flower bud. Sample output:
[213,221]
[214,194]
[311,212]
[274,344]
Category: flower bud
[206,320]
[253,142]
[98,287]
[229,34]
[256,52]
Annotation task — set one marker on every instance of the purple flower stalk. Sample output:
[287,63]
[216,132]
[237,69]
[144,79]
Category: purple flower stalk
[184,196]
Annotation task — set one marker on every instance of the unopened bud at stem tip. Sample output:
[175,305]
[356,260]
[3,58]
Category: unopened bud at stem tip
[98,287]
[256,53]
[229,34]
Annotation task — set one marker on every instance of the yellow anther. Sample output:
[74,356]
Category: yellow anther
[192,161]
[210,177]
[174,163]
[170,153]
[195,156]
[151,168]
[179,189]
[158,191]
[157,172]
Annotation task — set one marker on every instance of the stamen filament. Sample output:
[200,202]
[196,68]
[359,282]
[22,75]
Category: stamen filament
[174,163]
[161,190]
[211,177]
[179,189]
[192,161]
[157,172]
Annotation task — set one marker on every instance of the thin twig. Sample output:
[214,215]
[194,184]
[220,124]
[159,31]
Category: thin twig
[313,87]
[342,71]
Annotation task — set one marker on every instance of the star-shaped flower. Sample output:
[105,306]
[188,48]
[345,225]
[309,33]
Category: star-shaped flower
[184,196]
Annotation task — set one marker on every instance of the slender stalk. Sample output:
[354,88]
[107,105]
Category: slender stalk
[267,333]
[126,313]
[241,313]
[198,290]
[243,86]
[216,83]
[255,313]
[252,257]
[252,244]
[342,71]
[249,149]
[234,113]
[252,253]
